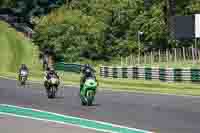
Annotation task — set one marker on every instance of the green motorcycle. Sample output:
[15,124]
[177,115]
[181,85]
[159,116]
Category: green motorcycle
[88,91]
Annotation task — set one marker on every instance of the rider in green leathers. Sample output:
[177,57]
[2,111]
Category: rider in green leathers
[87,72]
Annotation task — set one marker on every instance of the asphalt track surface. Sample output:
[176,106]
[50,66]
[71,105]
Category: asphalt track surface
[156,113]
[20,125]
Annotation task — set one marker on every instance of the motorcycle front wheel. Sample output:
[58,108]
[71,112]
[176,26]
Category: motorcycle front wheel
[90,97]
[22,81]
[52,92]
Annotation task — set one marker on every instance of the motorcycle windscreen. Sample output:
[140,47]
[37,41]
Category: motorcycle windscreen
[90,83]
[23,73]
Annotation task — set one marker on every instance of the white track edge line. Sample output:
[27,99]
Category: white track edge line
[64,123]
[106,123]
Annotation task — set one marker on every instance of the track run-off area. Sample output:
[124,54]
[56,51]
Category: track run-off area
[114,112]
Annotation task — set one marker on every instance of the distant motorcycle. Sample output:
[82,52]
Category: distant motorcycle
[23,77]
[52,86]
[45,62]
[45,66]
[88,91]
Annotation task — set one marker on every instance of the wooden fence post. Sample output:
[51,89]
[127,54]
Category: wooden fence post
[193,59]
[126,60]
[159,55]
[175,55]
[167,55]
[151,57]
[184,58]
[121,61]
[199,55]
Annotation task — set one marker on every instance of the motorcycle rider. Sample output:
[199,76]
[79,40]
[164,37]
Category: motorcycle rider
[45,61]
[87,72]
[49,73]
[23,68]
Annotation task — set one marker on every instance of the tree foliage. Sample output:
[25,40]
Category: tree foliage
[26,9]
[103,29]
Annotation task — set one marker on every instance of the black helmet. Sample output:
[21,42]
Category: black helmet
[51,72]
[88,72]
[23,65]
[87,65]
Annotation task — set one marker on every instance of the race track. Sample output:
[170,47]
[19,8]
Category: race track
[156,113]
[20,125]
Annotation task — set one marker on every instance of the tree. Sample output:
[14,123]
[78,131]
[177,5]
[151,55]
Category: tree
[106,29]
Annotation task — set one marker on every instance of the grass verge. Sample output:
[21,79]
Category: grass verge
[15,49]
[151,87]
[143,86]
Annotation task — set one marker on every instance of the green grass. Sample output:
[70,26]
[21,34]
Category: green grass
[153,86]
[15,49]
[143,86]
[185,88]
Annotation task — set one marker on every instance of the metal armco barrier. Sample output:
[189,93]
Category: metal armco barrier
[61,66]
[147,73]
